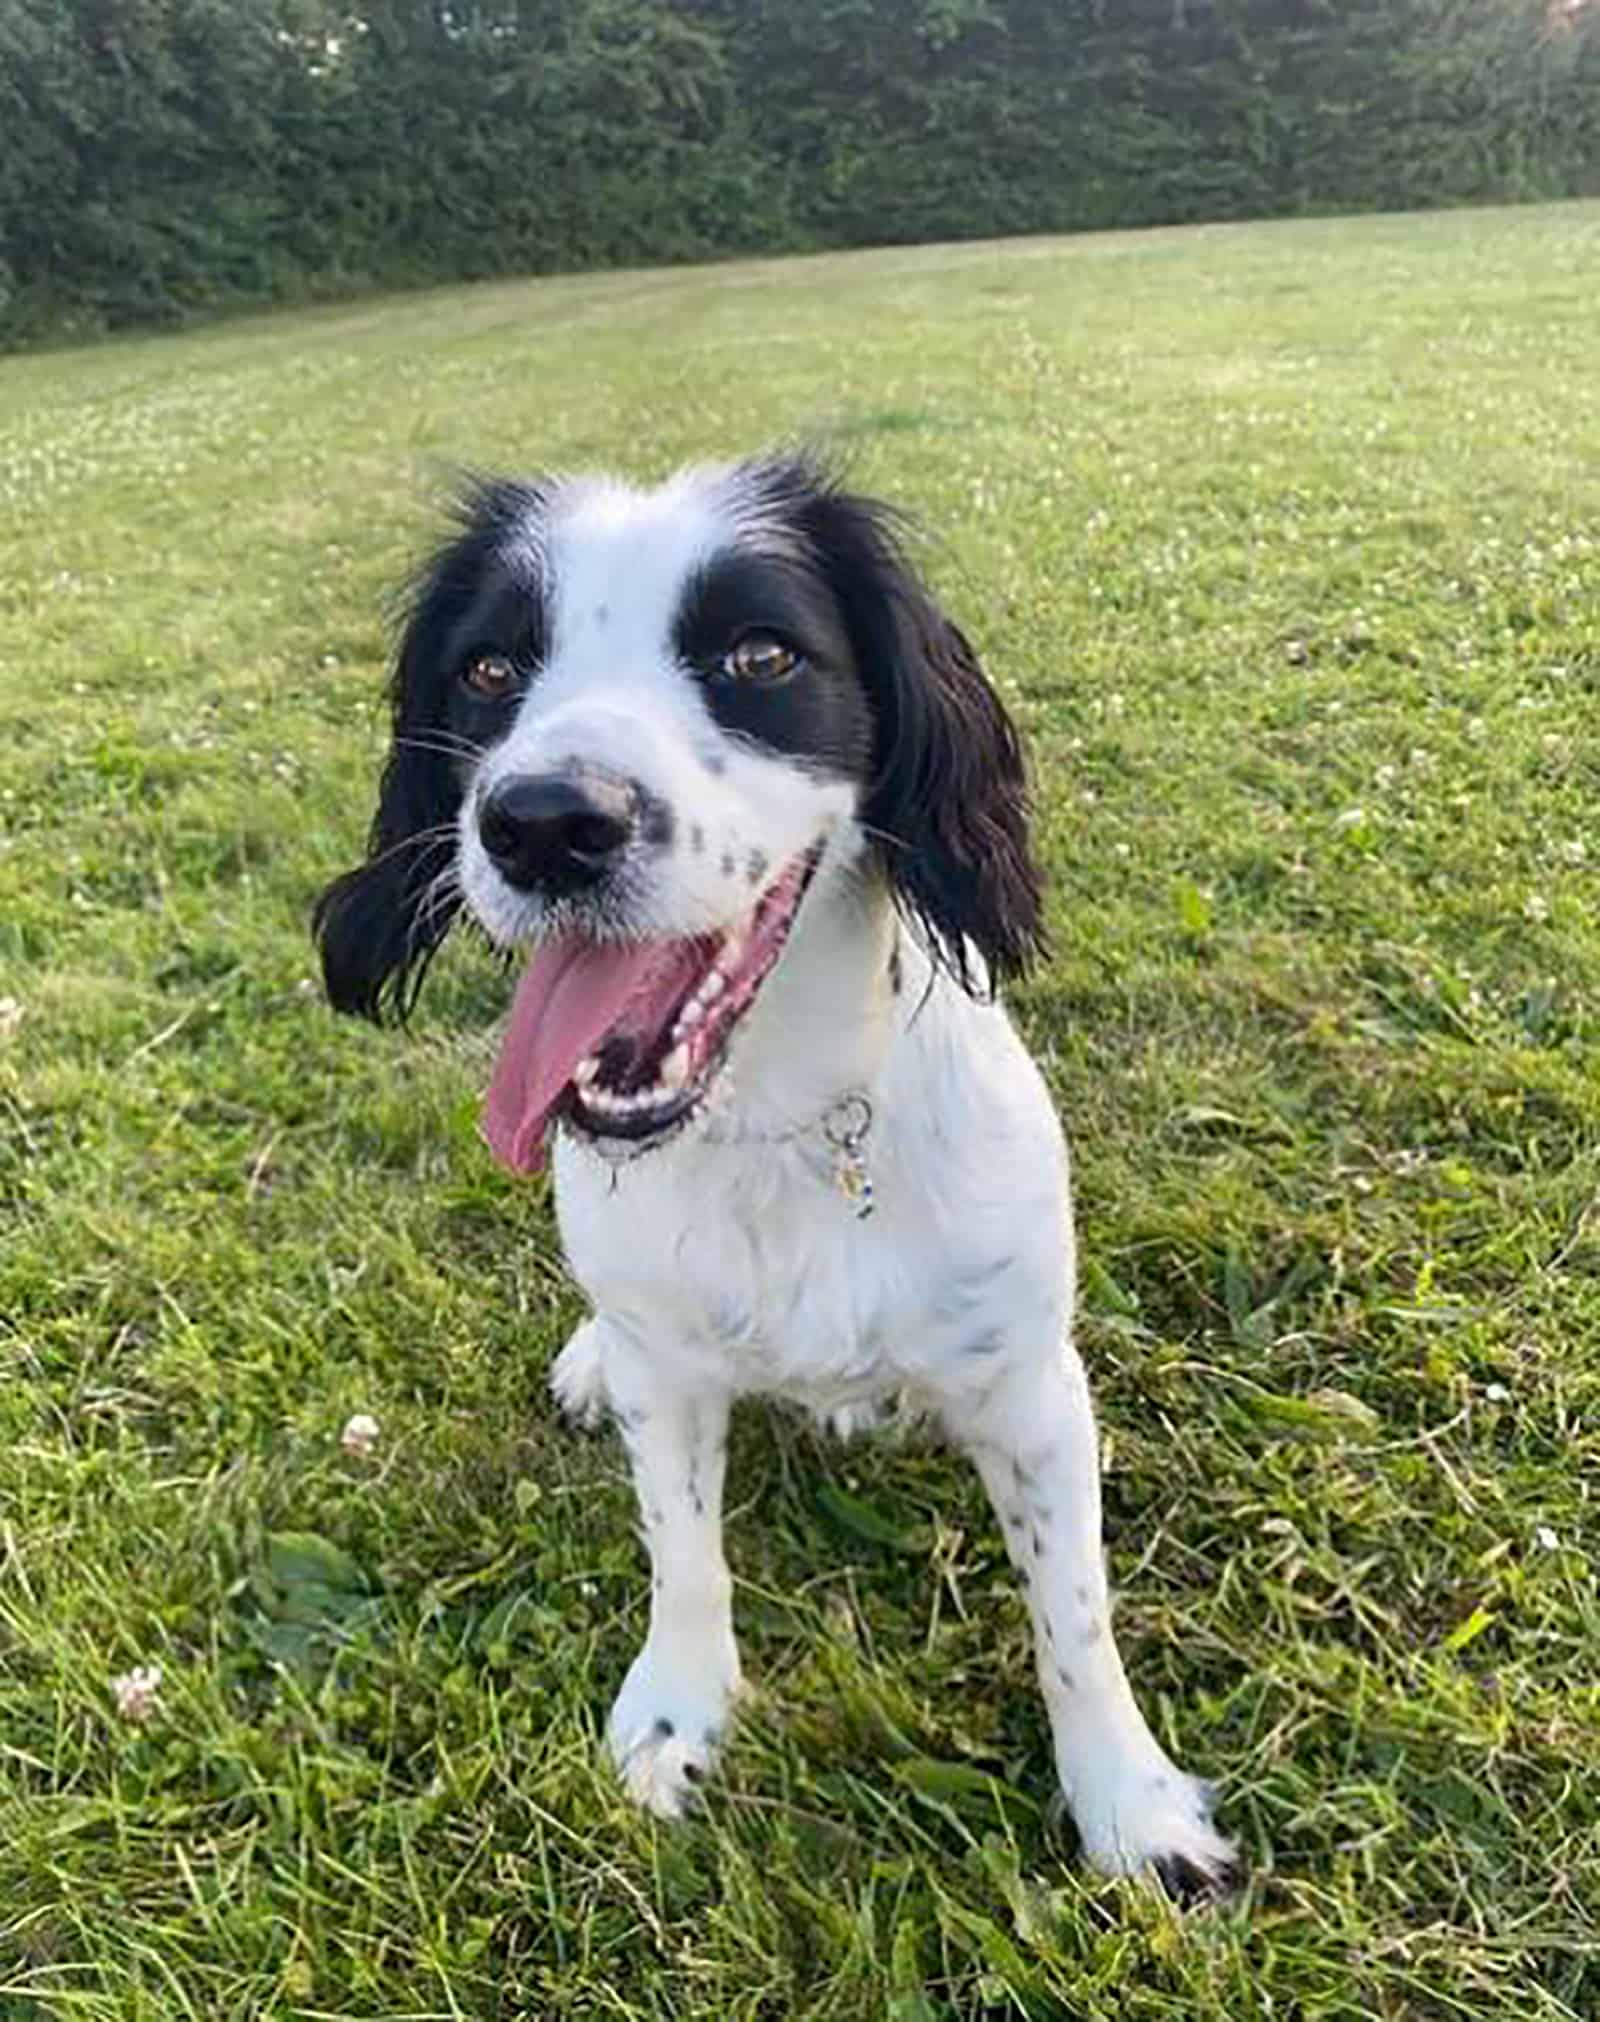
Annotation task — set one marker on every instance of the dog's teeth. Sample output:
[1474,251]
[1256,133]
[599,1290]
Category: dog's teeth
[691,1014]
[584,1073]
[675,1068]
[712,987]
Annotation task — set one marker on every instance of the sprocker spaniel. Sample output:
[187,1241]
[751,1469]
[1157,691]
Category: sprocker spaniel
[712,758]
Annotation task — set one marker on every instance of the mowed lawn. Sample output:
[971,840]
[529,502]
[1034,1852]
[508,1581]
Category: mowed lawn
[1284,542]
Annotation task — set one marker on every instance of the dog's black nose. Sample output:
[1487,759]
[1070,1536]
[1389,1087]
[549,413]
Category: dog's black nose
[557,831]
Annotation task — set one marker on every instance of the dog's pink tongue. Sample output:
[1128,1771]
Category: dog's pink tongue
[571,992]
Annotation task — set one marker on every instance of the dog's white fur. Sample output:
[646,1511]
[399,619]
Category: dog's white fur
[726,1261]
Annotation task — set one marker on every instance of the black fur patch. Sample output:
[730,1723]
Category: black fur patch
[818,712]
[1189,1885]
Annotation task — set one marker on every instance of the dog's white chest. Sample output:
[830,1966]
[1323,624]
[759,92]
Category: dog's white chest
[752,1261]
[759,1263]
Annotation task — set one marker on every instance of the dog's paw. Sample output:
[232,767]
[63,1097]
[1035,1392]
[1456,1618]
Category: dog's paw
[662,1769]
[577,1378]
[664,1732]
[1191,1880]
[1160,1823]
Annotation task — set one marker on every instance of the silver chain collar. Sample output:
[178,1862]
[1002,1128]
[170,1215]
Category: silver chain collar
[844,1125]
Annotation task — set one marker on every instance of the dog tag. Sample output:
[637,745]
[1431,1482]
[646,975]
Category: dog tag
[846,1130]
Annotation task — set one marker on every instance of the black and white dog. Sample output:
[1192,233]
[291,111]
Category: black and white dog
[715,758]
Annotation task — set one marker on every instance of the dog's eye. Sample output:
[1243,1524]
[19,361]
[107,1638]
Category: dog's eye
[758,656]
[490,675]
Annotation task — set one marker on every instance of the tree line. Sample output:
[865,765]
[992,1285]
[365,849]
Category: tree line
[161,158]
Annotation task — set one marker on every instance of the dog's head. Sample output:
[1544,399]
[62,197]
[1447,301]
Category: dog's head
[631,731]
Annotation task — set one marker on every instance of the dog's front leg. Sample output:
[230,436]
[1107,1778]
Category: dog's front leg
[1031,1433]
[678,1694]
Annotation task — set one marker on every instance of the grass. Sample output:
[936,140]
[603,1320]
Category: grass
[1285,543]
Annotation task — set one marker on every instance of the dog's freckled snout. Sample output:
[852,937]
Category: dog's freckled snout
[557,831]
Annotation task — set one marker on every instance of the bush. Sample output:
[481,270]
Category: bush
[166,157]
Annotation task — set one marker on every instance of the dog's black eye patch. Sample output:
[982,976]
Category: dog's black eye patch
[491,653]
[818,710]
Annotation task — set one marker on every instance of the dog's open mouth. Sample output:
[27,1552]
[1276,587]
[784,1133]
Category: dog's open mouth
[622,1040]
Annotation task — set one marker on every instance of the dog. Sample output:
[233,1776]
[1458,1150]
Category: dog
[712,758]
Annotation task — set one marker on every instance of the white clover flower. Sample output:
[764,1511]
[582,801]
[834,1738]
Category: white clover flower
[1546,1538]
[360,1435]
[135,1692]
[1536,907]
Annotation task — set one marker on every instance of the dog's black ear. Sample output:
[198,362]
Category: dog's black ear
[947,800]
[380,925]
[949,797]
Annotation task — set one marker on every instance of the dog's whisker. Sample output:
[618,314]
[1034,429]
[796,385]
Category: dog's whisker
[443,742]
[424,842]
[881,835]
[438,903]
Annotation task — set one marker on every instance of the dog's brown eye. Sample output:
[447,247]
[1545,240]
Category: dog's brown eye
[760,657]
[490,675]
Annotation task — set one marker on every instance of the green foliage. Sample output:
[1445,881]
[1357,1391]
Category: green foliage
[165,156]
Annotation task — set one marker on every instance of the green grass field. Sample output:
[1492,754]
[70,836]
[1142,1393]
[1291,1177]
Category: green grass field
[1284,542]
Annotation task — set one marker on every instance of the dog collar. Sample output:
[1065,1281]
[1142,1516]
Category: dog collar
[844,1125]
